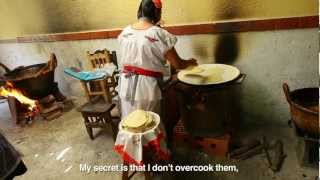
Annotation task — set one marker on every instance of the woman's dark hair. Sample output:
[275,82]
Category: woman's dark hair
[147,9]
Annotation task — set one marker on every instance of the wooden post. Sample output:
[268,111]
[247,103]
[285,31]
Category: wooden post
[105,90]
[85,87]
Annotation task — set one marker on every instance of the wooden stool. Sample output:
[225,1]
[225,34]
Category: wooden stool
[99,87]
[148,158]
[97,114]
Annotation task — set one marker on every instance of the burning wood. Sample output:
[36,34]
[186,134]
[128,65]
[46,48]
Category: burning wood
[247,149]
[53,107]
[31,91]
[10,91]
[49,108]
[47,100]
[52,115]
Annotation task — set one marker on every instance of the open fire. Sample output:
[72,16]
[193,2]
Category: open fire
[10,91]
[31,92]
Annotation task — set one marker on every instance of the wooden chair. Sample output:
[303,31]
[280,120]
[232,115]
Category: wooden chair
[97,114]
[103,87]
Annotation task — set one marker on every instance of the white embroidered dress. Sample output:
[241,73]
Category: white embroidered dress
[143,49]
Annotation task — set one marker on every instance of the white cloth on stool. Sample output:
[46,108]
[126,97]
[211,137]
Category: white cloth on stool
[130,145]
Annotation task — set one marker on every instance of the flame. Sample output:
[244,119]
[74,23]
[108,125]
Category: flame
[10,91]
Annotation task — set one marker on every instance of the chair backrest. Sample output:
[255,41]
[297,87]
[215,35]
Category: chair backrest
[114,58]
[99,58]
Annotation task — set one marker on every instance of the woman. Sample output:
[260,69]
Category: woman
[145,49]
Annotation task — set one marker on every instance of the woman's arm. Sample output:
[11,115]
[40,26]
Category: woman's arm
[178,63]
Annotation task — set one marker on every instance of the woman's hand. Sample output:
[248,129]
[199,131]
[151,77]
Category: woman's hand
[192,62]
[178,63]
[187,63]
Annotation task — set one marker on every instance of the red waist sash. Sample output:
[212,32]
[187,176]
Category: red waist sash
[141,71]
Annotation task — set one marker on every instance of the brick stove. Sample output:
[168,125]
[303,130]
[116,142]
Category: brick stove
[208,115]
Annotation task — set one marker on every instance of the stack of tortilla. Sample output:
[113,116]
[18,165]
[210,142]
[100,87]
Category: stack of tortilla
[138,121]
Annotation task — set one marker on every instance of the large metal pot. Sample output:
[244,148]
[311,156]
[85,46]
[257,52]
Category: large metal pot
[34,87]
[36,81]
[304,108]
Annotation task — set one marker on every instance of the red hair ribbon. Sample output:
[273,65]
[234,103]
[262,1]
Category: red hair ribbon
[157,3]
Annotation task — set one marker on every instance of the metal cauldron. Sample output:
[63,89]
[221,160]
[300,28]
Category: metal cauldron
[304,108]
[36,81]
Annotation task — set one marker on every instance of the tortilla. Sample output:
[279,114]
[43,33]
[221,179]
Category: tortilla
[193,70]
[208,74]
[138,119]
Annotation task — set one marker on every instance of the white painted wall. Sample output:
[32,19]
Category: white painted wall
[268,58]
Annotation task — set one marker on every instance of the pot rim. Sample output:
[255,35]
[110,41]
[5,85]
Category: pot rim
[300,107]
[304,109]
[10,75]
